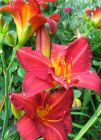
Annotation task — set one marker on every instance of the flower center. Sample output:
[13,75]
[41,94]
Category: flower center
[63,69]
[43,111]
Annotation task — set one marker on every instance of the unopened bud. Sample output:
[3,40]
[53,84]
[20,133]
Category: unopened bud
[76,103]
[2,22]
[10,38]
[6,28]
[17,113]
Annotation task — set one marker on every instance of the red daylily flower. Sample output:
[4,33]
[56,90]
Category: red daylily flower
[45,115]
[95,16]
[28,18]
[68,66]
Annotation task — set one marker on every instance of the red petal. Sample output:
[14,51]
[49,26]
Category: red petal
[89,80]
[68,123]
[28,128]
[44,5]
[27,104]
[88,12]
[33,85]
[37,21]
[50,0]
[54,131]
[80,57]
[52,22]
[55,17]
[52,25]
[33,61]
[58,51]
[61,103]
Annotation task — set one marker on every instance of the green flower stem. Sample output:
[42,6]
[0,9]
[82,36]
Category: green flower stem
[12,59]
[6,88]
[2,54]
[89,123]
[6,105]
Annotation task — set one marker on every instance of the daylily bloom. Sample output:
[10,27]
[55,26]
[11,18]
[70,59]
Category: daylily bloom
[43,3]
[69,66]
[68,9]
[95,16]
[47,114]
[27,17]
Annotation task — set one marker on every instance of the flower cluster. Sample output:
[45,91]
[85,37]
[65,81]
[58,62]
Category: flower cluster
[44,105]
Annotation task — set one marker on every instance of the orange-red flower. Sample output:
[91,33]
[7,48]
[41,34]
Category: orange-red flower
[27,17]
[95,16]
[47,115]
[69,66]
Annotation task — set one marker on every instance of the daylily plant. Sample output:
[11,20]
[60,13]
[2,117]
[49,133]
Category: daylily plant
[28,18]
[95,16]
[69,66]
[45,116]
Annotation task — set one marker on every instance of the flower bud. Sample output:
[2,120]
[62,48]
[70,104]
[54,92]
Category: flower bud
[76,103]
[10,38]
[6,28]
[17,113]
[2,22]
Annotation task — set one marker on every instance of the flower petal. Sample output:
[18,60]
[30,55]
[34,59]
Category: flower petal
[55,17]
[50,0]
[89,80]
[54,130]
[37,21]
[33,85]
[52,22]
[61,103]
[68,123]
[24,103]
[28,128]
[58,52]
[80,57]
[33,61]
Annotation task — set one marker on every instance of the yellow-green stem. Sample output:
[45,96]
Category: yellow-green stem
[6,88]
[6,105]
